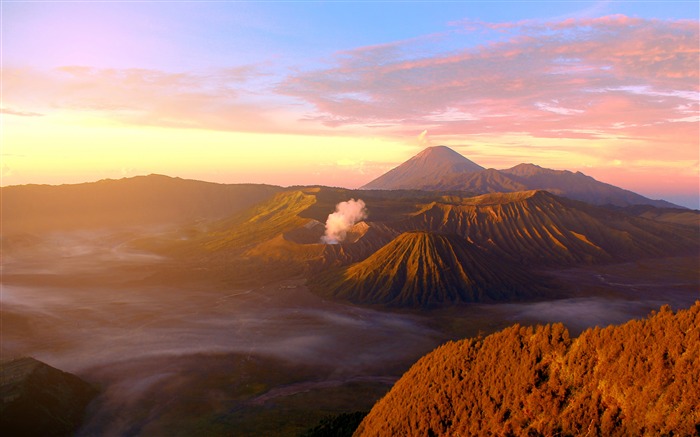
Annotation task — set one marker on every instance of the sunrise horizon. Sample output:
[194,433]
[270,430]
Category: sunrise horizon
[293,94]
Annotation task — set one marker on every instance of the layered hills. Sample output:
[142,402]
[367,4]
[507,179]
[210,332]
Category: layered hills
[415,248]
[442,169]
[639,378]
[423,269]
[137,201]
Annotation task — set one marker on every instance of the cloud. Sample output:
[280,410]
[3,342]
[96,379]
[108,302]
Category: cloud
[226,99]
[588,75]
[10,111]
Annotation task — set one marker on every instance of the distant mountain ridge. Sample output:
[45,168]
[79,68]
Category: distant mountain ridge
[136,201]
[442,169]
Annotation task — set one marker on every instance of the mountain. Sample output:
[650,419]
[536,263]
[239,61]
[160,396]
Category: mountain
[538,382]
[431,164]
[537,227]
[39,400]
[423,269]
[577,186]
[441,169]
[493,234]
[137,201]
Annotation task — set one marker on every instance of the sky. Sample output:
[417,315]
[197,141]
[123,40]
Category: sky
[339,92]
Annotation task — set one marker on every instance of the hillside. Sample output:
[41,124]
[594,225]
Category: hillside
[421,269]
[640,378]
[137,201]
[687,217]
[538,227]
[443,169]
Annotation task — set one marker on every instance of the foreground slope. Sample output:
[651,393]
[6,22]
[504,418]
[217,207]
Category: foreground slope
[423,269]
[640,378]
[39,400]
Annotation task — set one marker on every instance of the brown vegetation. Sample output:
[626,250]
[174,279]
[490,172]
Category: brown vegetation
[640,378]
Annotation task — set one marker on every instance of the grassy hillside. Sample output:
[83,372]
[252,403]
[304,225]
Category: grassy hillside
[640,378]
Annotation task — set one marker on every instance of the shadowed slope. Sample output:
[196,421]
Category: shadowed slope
[687,217]
[39,400]
[639,378]
[420,269]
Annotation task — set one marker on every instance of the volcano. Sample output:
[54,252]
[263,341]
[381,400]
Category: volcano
[426,269]
[433,163]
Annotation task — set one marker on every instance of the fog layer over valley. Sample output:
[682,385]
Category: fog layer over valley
[79,301]
[85,302]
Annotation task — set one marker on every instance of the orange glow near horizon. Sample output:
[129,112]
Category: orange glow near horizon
[84,149]
[87,148]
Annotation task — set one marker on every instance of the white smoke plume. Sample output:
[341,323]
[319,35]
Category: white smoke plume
[423,139]
[345,216]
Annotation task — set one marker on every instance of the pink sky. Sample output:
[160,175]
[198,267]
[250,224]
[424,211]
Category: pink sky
[616,97]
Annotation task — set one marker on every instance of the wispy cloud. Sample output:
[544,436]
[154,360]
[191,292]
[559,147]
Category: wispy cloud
[225,99]
[10,111]
[611,76]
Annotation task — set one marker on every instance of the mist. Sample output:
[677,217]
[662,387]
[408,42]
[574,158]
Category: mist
[84,302]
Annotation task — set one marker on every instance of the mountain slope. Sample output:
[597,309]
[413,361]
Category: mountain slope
[481,182]
[538,227]
[577,186]
[420,269]
[433,163]
[536,381]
